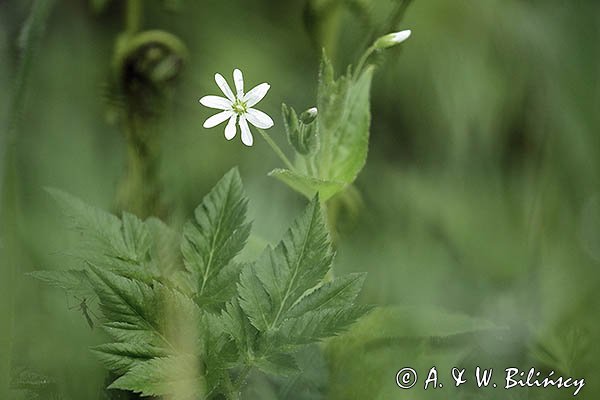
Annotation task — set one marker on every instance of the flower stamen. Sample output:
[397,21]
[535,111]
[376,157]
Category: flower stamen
[239,107]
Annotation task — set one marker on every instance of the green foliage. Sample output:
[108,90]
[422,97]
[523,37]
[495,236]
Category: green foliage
[332,150]
[189,328]
[391,338]
[279,294]
[178,376]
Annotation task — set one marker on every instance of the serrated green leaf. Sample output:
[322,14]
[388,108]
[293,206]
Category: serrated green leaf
[119,246]
[217,234]
[297,264]
[339,293]
[316,325]
[235,323]
[70,280]
[164,252]
[136,238]
[279,364]
[121,357]
[139,313]
[254,300]
[98,228]
[307,185]
[157,327]
[221,355]
[222,287]
[180,377]
[132,306]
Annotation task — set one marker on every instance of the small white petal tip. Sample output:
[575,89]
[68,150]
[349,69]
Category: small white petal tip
[309,115]
[392,39]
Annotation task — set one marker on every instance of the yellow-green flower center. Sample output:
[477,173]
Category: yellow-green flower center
[239,107]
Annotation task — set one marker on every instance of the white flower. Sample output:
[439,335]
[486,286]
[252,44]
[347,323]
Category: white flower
[237,108]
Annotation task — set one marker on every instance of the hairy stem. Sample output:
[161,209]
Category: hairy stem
[362,61]
[139,191]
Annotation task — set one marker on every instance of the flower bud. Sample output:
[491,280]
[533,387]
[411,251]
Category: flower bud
[392,39]
[309,115]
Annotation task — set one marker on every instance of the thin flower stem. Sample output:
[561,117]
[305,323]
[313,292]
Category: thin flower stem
[277,149]
[362,61]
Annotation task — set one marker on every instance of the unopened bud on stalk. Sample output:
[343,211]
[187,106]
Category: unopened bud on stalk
[309,115]
[392,39]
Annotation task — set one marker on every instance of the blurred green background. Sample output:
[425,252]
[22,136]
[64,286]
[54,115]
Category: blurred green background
[481,193]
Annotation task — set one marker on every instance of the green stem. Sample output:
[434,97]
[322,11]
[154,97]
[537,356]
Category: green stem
[277,149]
[139,191]
[363,59]
[133,16]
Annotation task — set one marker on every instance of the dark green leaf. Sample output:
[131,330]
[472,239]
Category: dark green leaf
[307,185]
[339,293]
[217,234]
[121,357]
[180,377]
[297,264]
[316,325]
[277,364]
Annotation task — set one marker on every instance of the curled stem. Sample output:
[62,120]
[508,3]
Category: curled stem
[133,16]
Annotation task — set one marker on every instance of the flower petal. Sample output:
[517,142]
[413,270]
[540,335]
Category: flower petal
[247,138]
[220,103]
[224,86]
[217,119]
[256,94]
[259,119]
[238,78]
[230,129]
